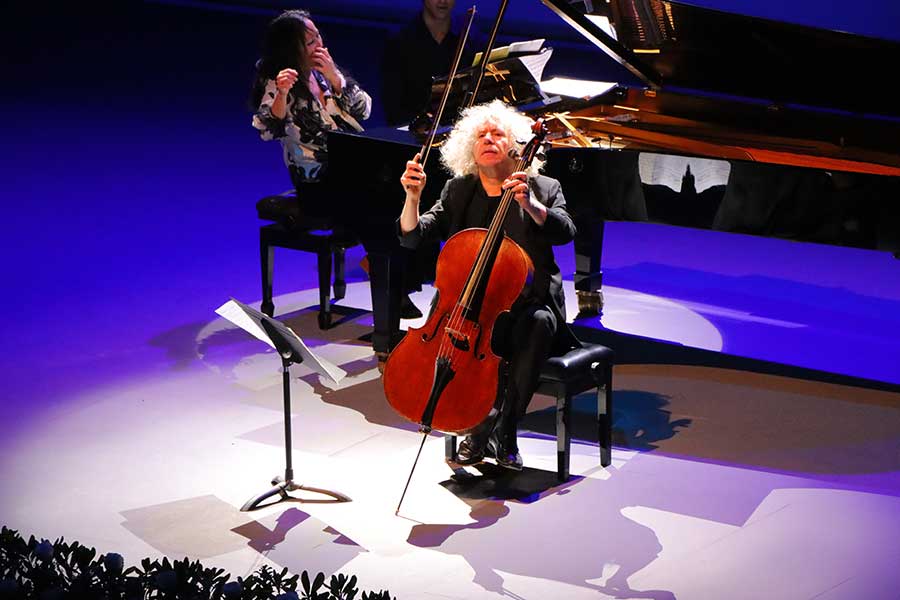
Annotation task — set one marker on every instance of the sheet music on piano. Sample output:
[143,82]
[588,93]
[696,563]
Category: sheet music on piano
[513,79]
[514,49]
[535,63]
[576,88]
[530,53]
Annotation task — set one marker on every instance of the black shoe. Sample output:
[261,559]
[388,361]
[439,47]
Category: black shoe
[505,451]
[408,310]
[470,452]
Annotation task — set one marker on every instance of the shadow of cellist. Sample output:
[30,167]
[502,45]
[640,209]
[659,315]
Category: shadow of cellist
[485,514]
[640,419]
[496,483]
[516,515]
[486,494]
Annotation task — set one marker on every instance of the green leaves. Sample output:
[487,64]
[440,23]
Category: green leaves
[41,569]
[342,587]
[382,595]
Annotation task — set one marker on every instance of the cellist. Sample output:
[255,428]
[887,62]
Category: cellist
[480,153]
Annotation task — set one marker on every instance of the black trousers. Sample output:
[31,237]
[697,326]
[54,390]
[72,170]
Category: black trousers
[420,266]
[525,340]
[308,209]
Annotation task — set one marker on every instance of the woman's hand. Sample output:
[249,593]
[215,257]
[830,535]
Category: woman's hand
[323,63]
[285,80]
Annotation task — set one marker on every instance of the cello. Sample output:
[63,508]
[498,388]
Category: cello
[444,375]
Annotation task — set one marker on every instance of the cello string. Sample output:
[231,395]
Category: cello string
[475,275]
[479,270]
[494,232]
[496,227]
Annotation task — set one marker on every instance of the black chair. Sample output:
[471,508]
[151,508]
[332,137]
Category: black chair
[564,377]
[300,232]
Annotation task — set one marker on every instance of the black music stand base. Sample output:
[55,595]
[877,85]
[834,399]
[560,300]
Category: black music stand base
[280,487]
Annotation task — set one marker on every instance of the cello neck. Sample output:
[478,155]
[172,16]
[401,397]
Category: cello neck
[494,235]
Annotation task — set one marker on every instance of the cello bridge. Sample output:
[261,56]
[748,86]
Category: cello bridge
[458,338]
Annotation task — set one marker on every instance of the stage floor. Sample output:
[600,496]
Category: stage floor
[724,484]
[135,421]
[812,306]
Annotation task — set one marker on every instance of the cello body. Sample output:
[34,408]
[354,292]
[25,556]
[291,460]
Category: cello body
[450,358]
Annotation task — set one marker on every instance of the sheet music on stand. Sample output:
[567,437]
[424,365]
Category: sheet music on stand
[250,320]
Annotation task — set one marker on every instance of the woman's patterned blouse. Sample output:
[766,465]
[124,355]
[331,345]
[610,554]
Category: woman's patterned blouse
[303,131]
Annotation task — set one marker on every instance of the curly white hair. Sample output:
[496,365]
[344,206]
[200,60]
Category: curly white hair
[458,150]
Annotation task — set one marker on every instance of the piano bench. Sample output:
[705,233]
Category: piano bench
[564,377]
[314,235]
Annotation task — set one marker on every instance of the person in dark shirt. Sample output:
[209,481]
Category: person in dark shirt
[423,49]
[477,153]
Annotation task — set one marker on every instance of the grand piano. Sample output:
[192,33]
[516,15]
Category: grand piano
[726,122]
[782,118]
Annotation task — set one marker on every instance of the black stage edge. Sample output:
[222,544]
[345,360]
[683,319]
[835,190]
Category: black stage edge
[637,350]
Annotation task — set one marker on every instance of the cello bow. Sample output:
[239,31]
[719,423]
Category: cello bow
[460,46]
[485,56]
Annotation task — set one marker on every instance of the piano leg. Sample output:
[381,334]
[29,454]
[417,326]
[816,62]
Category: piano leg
[340,284]
[588,274]
[324,264]
[386,282]
[598,185]
[266,259]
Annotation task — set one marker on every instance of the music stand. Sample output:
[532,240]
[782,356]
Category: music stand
[292,350]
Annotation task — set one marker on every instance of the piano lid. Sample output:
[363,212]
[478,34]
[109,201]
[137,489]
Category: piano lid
[668,44]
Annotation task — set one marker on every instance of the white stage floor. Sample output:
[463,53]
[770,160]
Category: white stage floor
[723,485]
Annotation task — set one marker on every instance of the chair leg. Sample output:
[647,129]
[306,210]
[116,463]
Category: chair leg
[266,259]
[563,433]
[449,446]
[604,418]
[324,260]
[340,286]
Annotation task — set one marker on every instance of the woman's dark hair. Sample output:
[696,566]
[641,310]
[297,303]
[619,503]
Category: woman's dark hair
[284,37]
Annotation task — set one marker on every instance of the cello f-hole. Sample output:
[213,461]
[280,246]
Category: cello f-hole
[480,330]
[427,337]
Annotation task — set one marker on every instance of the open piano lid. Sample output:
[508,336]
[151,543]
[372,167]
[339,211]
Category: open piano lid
[670,44]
